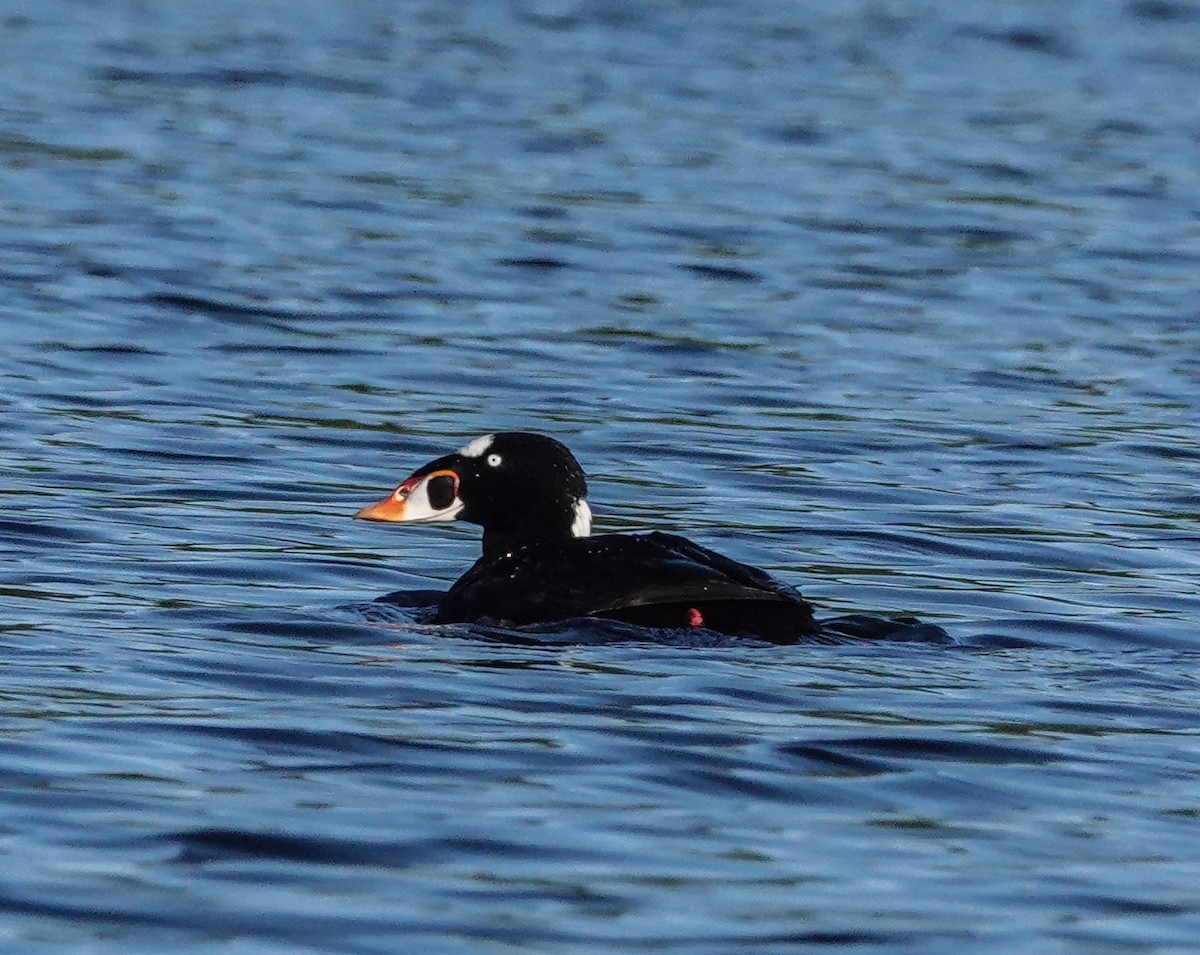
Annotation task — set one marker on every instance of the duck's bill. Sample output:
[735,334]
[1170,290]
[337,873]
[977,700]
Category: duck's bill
[420,499]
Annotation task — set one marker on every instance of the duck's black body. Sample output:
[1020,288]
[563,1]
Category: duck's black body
[540,563]
[653,580]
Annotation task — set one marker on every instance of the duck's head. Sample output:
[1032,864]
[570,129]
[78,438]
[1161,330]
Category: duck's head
[521,488]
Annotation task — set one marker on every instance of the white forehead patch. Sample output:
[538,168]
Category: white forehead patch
[477,447]
[582,525]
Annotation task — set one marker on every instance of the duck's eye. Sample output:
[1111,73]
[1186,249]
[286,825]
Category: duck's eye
[494,460]
[441,491]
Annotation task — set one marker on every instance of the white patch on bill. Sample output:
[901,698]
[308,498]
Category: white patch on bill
[582,525]
[477,447]
[419,510]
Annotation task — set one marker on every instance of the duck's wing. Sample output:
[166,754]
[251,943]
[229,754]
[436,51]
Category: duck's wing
[659,580]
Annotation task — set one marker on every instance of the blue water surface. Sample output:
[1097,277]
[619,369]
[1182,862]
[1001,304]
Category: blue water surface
[896,300]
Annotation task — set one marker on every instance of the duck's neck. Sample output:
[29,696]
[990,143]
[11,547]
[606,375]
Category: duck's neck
[553,527]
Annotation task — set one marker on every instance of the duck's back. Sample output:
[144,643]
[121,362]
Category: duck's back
[656,580]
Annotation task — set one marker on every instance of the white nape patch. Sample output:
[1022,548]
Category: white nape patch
[476,448]
[582,525]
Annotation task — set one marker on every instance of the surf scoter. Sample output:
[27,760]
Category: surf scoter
[540,563]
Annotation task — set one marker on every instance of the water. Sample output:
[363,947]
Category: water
[895,300]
